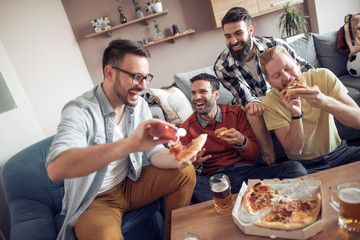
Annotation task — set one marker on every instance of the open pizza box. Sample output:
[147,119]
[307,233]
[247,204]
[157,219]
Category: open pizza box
[294,188]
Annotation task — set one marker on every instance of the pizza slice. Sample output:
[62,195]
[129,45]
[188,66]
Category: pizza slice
[295,84]
[184,153]
[260,197]
[223,130]
[294,214]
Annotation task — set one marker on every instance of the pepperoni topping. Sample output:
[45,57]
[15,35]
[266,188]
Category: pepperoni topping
[304,206]
[285,213]
[252,199]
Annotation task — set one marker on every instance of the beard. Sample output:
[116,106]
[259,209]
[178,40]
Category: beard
[120,96]
[242,54]
[208,107]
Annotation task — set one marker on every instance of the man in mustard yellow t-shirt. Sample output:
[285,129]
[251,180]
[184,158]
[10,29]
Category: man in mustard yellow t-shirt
[304,123]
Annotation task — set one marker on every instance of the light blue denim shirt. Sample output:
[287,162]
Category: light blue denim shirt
[87,121]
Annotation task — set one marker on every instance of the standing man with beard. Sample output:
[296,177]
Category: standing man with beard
[234,153]
[239,70]
[98,150]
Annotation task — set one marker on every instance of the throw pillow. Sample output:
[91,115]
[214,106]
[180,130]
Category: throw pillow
[327,54]
[305,47]
[182,81]
[176,106]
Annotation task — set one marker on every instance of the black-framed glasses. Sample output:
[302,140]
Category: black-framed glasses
[137,78]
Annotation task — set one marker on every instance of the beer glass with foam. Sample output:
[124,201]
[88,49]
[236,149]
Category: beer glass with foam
[345,199]
[221,190]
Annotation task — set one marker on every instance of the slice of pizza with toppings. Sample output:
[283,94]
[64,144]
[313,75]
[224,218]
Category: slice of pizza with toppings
[294,214]
[223,130]
[294,85]
[184,153]
[260,197]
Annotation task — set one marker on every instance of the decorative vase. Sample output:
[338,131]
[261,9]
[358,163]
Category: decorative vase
[158,7]
[140,14]
[122,17]
[160,35]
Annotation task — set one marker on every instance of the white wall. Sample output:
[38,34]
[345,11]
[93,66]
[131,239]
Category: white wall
[328,15]
[43,51]
[40,43]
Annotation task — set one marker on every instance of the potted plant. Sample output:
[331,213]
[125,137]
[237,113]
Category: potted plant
[138,11]
[292,22]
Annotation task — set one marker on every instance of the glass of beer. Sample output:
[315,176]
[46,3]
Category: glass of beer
[345,199]
[221,190]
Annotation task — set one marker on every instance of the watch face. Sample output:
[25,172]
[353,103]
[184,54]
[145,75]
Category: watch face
[101,24]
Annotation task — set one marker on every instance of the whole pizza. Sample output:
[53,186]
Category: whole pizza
[285,213]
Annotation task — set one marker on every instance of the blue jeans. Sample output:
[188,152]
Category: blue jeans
[343,154]
[238,173]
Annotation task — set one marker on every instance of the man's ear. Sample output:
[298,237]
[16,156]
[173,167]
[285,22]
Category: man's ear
[109,73]
[251,30]
[216,94]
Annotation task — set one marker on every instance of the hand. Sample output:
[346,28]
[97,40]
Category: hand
[140,140]
[233,138]
[199,159]
[313,96]
[255,108]
[293,103]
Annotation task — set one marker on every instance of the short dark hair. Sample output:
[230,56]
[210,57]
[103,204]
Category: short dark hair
[215,84]
[115,52]
[237,14]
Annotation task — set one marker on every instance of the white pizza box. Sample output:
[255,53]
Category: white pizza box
[312,187]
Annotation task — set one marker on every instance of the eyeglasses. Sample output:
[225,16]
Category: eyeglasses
[137,78]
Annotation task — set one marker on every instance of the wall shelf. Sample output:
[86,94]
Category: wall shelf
[170,38]
[146,18]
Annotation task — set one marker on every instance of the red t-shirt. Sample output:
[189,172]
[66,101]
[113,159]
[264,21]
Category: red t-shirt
[223,154]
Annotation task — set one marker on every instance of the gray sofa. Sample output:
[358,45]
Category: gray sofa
[318,49]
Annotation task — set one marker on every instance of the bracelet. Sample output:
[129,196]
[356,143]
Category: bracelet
[297,117]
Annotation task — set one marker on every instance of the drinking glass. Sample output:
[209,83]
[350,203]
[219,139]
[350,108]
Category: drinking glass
[221,190]
[345,199]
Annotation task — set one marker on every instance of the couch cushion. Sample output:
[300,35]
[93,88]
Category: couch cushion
[350,81]
[182,81]
[327,54]
[176,106]
[305,48]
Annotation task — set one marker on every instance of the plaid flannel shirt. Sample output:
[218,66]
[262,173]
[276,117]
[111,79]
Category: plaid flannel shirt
[236,76]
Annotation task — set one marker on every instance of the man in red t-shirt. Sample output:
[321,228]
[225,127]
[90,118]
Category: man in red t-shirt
[234,153]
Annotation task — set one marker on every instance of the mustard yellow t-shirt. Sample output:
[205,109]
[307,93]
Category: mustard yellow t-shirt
[321,136]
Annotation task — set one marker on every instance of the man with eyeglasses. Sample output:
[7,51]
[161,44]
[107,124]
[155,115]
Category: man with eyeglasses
[239,70]
[98,150]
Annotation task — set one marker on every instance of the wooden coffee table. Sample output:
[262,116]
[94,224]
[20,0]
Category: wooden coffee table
[203,220]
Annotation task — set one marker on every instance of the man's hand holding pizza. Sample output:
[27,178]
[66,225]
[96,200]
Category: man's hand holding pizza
[293,103]
[231,136]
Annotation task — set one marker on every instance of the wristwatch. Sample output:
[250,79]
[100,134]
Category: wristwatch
[199,168]
[297,117]
[243,145]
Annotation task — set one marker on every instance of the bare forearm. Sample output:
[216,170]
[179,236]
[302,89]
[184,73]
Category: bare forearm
[345,110]
[77,162]
[293,140]
[163,159]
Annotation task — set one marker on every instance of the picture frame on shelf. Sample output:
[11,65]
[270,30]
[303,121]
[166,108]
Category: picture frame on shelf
[101,24]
